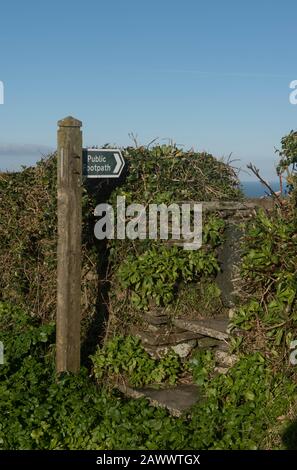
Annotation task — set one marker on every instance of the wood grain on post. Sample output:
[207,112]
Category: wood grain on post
[69,245]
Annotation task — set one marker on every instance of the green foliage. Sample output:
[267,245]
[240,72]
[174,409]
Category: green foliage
[156,273]
[247,315]
[202,365]
[29,223]
[269,271]
[203,296]
[240,406]
[287,165]
[123,357]
[42,411]
[213,231]
[143,273]
[28,214]
[288,152]
[21,335]
[28,230]
[166,174]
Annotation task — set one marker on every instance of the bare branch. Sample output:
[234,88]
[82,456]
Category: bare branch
[267,185]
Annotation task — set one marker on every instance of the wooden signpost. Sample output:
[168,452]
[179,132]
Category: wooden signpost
[101,163]
[69,245]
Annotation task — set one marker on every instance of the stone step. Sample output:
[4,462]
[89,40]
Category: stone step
[215,327]
[175,399]
[155,319]
[224,359]
[181,349]
[166,337]
[211,343]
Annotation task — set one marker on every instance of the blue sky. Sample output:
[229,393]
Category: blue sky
[210,75]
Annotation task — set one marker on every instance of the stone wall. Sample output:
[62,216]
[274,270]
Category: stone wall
[161,332]
[234,214]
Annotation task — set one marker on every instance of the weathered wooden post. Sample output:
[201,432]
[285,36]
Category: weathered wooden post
[69,245]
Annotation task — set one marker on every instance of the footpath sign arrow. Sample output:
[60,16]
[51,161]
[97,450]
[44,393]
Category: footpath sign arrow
[102,163]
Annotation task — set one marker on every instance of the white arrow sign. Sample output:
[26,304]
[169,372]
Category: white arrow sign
[119,163]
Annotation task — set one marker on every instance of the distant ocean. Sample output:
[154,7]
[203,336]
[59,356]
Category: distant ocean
[256,189]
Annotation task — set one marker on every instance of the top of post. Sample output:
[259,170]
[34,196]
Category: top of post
[69,121]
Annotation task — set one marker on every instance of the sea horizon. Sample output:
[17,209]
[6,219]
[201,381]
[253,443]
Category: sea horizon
[257,189]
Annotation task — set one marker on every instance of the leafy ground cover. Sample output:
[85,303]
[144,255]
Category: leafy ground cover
[253,406]
[41,411]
